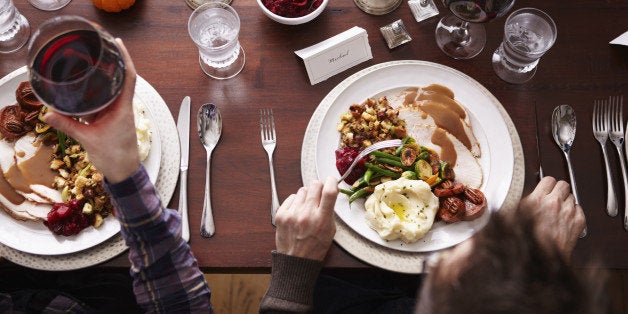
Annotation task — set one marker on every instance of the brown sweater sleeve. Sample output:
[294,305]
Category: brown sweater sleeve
[292,284]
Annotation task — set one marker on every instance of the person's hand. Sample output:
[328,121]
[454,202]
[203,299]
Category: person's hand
[305,221]
[558,220]
[109,136]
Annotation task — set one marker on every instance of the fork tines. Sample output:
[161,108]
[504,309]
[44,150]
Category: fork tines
[616,104]
[616,134]
[267,124]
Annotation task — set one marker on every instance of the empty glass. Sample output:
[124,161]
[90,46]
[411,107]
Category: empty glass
[49,5]
[528,34]
[14,28]
[461,35]
[214,27]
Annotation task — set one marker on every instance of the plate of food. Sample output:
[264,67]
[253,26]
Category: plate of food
[34,184]
[422,98]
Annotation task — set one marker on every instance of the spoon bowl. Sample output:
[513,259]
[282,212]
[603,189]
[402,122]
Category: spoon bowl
[564,133]
[209,123]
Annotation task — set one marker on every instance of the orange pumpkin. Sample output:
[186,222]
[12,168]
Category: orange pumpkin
[113,5]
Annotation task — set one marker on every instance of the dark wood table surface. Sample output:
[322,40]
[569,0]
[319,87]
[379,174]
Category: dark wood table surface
[580,68]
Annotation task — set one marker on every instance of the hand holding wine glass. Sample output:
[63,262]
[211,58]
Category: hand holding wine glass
[75,66]
[459,35]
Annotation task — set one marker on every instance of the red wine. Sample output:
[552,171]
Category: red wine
[478,11]
[77,72]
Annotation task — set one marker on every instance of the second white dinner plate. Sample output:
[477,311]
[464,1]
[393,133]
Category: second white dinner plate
[497,159]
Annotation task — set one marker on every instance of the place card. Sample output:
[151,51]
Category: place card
[621,40]
[336,54]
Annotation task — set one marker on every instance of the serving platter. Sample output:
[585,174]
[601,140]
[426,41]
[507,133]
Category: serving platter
[501,160]
[165,179]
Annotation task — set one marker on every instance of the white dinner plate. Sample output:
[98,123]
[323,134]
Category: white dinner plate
[35,238]
[487,119]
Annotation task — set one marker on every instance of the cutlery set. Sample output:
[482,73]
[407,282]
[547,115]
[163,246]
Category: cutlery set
[608,124]
[209,123]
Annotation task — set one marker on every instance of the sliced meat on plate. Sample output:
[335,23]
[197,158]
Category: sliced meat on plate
[466,167]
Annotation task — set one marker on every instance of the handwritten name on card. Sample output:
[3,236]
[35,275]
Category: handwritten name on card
[336,54]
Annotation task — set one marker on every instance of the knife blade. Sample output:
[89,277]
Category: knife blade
[183,127]
[538,148]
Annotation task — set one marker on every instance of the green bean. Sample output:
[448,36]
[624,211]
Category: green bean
[378,153]
[358,183]
[387,161]
[345,191]
[360,193]
[368,174]
[385,172]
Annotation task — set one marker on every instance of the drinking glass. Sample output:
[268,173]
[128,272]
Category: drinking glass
[14,28]
[528,34]
[49,5]
[459,35]
[74,65]
[377,7]
[197,3]
[214,28]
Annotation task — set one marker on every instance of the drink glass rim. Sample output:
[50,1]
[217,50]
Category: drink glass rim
[205,7]
[540,14]
[53,23]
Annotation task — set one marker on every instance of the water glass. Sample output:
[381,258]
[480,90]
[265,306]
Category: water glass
[214,27]
[197,3]
[49,5]
[528,34]
[74,65]
[14,28]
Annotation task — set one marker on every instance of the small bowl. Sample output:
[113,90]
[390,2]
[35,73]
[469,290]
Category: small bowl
[292,20]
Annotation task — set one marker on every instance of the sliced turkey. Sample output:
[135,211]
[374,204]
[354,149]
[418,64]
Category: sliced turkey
[466,167]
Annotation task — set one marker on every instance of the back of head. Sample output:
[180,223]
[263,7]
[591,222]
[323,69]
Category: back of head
[509,271]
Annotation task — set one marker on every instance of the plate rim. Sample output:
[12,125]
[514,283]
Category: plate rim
[359,246]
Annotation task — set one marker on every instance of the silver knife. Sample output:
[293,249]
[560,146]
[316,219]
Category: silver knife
[538,149]
[183,126]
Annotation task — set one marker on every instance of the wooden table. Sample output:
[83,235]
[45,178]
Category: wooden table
[580,68]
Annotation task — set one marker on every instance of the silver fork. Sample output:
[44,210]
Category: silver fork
[269,142]
[368,150]
[616,134]
[601,117]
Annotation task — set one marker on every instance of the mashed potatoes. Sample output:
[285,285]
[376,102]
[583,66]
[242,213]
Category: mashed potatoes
[142,129]
[401,209]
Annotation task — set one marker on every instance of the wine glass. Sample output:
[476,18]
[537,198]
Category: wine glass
[459,35]
[75,66]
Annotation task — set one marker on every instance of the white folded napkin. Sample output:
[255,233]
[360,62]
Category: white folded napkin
[621,40]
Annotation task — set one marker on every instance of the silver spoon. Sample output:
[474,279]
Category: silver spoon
[564,132]
[209,128]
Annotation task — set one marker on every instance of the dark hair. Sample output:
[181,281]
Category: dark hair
[509,271]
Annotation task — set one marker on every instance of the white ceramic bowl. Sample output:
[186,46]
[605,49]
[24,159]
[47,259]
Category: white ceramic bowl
[292,20]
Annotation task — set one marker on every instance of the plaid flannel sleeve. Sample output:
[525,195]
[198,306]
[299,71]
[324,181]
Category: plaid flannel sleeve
[166,277]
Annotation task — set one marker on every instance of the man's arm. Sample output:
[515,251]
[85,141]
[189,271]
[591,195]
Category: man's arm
[166,276]
[305,231]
